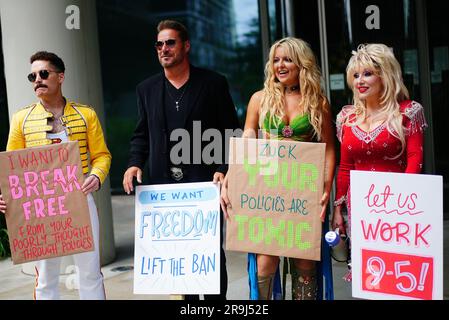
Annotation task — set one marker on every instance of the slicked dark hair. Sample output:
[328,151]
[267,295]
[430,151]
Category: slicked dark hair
[175,25]
[54,60]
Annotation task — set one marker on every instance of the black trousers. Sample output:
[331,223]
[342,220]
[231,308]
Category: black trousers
[223,273]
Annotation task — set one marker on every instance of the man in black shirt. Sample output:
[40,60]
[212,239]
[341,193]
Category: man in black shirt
[180,97]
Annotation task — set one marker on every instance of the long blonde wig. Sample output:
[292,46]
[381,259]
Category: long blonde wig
[312,102]
[380,59]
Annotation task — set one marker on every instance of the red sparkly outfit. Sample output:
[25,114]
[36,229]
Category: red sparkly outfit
[373,151]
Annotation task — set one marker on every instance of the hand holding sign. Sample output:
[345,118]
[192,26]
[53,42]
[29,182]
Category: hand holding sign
[218,177]
[338,220]
[91,184]
[323,203]
[224,199]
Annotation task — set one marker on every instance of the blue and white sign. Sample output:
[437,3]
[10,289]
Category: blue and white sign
[177,239]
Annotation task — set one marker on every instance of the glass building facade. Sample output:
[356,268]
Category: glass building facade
[224,36]
[233,37]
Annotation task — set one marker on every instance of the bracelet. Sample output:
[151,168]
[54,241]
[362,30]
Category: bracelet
[340,201]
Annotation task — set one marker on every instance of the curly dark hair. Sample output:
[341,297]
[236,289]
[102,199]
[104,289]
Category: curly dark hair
[54,60]
[175,25]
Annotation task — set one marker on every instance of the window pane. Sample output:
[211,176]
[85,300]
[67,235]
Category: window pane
[275,16]
[307,25]
[438,25]
[396,29]
[246,76]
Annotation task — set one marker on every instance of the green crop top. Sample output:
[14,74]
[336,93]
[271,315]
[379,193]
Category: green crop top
[299,128]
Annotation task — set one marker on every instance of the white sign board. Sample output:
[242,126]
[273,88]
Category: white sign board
[177,239]
[397,235]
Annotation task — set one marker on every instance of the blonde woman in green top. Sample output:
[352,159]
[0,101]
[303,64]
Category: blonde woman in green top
[291,106]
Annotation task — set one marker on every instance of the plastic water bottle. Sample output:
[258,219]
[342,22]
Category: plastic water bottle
[339,249]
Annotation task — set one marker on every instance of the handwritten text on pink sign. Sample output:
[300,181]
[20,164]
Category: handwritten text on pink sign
[46,202]
[386,202]
[398,274]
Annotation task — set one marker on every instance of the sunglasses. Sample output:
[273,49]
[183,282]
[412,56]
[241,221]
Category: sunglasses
[44,74]
[169,43]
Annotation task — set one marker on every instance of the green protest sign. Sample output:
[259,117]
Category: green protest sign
[275,188]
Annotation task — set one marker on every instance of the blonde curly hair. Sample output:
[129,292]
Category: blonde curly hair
[312,102]
[380,59]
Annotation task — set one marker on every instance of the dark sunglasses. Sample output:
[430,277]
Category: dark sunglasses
[44,74]
[169,43]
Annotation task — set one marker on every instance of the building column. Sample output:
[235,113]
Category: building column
[31,26]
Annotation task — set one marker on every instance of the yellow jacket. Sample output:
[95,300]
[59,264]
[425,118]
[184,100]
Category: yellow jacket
[29,128]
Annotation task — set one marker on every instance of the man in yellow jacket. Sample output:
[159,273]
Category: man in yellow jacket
[54,119]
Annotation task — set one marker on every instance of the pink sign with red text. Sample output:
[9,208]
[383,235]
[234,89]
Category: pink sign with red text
[396,235]
[47,213]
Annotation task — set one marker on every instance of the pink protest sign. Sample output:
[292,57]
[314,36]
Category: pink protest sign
[397,235]
[47,213]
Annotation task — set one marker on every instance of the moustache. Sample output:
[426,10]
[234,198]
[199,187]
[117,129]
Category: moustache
[40,86]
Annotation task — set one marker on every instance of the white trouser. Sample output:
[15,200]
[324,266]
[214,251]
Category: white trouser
[89,275]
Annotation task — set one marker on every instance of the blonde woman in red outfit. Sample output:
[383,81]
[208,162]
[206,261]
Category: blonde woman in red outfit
[383,129]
